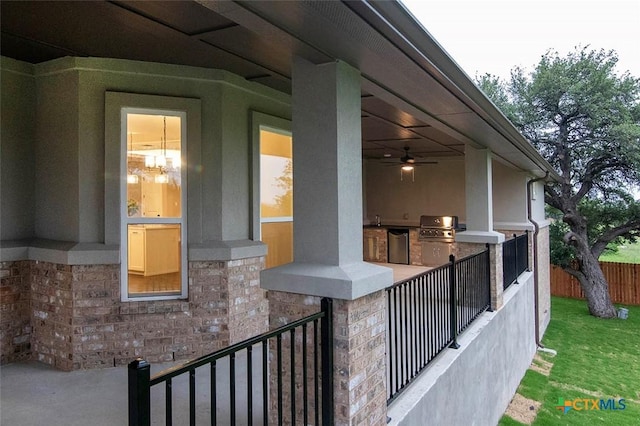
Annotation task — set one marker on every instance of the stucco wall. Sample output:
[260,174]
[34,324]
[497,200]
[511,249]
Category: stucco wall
[69,160]
[509,194]
[17,150]
[438,189]
[474,384]
[544,280]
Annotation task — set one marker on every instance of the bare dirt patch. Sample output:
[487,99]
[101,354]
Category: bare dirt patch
[523,409]
[541,365]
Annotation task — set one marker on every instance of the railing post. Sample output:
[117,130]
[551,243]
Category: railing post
[515,264]
[527,234]
[139,393]
[453,302]
[326,343]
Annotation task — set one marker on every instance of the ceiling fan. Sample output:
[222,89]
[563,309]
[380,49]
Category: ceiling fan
[408,160]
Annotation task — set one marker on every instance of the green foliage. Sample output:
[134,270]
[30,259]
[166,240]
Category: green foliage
[584,118]
[561,254]
[590,364]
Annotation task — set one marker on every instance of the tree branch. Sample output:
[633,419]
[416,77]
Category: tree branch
[601,243]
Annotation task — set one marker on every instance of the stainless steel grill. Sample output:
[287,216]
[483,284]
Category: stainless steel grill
[438,228]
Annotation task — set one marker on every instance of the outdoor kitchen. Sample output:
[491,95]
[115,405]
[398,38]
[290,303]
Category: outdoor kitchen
[412,219]
[428,244]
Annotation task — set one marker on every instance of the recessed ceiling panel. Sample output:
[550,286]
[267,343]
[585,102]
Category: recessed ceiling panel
[374,129]
[187,17]
[377,107]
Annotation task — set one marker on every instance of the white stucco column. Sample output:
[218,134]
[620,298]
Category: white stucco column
[327,158]
[479,198]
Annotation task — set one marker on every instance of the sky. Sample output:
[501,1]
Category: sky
[494,36]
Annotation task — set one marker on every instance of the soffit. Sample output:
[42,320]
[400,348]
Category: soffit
[406,100]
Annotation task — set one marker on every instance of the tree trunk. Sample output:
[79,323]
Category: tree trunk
[595,287]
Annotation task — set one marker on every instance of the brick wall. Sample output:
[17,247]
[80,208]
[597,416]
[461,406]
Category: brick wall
[359,360]
[283,309]
[15,317]
[248,305]
[78,320]
[52,313]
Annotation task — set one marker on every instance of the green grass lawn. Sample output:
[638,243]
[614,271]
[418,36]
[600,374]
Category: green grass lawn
[597,359]
[628,253]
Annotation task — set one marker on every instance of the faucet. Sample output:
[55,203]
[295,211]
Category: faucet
[378,223]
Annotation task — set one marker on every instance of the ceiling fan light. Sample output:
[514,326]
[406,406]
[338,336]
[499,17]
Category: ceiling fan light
[407,168]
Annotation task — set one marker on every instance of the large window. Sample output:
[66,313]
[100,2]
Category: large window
[276,195]
[153,203]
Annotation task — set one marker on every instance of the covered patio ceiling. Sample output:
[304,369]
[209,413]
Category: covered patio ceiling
[413,94]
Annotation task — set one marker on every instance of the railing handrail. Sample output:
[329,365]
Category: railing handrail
[237,347]
[436,269]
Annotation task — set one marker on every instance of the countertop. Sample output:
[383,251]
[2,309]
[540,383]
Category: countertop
[392,225]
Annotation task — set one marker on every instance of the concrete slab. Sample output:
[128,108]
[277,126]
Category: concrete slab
[35,394]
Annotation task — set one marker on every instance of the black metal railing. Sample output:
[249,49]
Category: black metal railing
[286,377]
[515,259]
[425,314]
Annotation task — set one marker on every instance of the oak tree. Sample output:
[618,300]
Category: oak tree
[584,118]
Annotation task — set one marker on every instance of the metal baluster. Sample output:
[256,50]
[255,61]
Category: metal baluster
[232,387]
[265,384]
[395,336]
[327,362]
[214,399]
[192,397]
[452,303]
[279,376]
[292,361]
[250,385]
[305,381]
[315,371]
[168,400]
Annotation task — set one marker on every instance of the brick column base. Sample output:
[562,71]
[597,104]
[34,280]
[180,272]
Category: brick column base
[358,350]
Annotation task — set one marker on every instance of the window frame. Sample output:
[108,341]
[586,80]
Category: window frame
[261,121]
[115,173]
[125,220]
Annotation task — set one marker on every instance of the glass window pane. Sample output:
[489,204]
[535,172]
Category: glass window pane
[278,236]
[276,175]
[153,259]
[153,165]
[276,197]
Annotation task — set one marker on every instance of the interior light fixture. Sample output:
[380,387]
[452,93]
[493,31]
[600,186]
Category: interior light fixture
[409,169]
[159,161]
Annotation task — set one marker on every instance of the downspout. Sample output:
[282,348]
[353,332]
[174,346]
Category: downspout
[536,230]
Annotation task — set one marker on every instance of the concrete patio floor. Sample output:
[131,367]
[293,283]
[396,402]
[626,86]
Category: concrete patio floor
[35,394]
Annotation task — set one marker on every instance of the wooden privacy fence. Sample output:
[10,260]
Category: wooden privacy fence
[623,279]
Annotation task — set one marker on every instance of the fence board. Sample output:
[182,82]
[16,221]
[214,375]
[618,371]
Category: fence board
[623,279]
